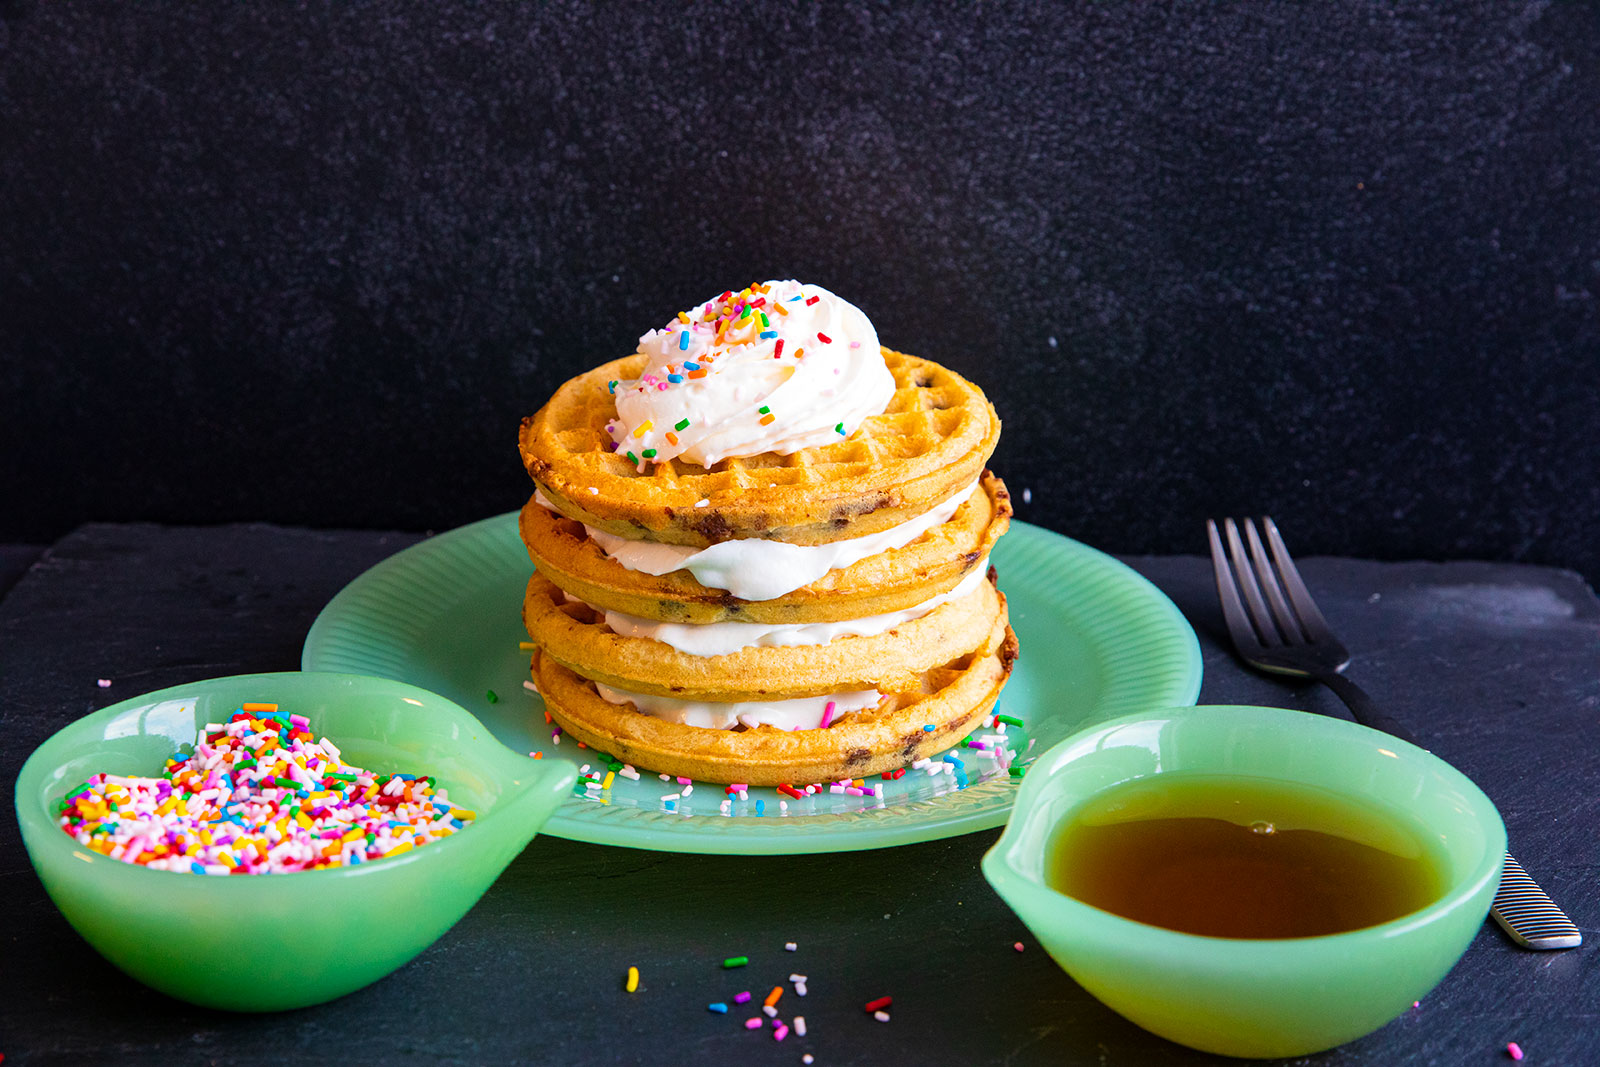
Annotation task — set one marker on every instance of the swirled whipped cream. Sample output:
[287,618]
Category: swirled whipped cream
[755,568]
[776,367]
[722,638]
[801,713]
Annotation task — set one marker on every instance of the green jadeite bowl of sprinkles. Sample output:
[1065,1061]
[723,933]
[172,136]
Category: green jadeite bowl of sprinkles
[349,822]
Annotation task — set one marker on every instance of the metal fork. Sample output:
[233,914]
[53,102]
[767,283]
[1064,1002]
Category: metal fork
[1275,626]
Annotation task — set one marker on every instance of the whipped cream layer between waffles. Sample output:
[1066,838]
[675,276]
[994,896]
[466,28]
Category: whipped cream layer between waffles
[892,580]
[950,703]
[578,637]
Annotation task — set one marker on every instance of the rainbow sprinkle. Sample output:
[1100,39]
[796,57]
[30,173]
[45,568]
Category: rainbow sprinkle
[258,795]
[724,324]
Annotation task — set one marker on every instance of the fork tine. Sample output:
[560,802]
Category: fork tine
[1316,627]
[1244,574]
[1228,592]
[1288,625]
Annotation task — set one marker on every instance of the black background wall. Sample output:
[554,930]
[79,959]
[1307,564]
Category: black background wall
[1336,262]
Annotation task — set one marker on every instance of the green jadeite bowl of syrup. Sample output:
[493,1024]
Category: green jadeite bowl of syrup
[1252,996]
[269,942]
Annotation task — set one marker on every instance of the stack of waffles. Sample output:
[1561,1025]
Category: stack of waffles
[667,623]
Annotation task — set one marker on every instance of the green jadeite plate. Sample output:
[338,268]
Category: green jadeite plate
[1097,641]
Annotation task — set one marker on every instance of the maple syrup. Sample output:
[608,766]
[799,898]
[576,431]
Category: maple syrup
[1240,857]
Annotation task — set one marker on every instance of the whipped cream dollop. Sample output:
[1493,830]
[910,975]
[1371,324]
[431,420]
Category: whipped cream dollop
[722,638]
[776,367]
[801,713]
[755,568]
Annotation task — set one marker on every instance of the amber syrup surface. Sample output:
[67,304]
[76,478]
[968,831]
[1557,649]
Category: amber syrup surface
[1243,857]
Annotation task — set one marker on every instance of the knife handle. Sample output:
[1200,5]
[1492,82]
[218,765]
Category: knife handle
[1525,912]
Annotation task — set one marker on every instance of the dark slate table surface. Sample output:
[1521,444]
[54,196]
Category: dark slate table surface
[1495,666]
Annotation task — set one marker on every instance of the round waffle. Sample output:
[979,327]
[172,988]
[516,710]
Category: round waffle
[952,699]
[577,637]
[889,581]
[935,436]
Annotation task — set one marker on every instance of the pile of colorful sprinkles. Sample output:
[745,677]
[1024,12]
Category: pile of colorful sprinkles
[258,796]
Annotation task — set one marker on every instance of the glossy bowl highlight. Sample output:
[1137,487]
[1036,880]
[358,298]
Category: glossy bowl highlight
[1253,998]
[317,934]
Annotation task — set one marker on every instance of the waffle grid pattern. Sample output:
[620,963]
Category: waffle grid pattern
[935,436]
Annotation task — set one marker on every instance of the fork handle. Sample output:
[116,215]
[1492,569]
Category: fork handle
[1364,708]
[1523,910]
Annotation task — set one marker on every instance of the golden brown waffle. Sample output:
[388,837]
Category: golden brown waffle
[934,438]
[577,637]
[952,699]
[890,581]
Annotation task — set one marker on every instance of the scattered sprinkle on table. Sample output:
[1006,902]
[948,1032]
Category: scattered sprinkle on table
[1514,1050]
[633,980]
[104,683]
[735,961]
[257,795]
[1017,945]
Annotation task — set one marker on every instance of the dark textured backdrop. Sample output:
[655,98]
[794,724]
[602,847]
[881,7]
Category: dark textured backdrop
[1337,262]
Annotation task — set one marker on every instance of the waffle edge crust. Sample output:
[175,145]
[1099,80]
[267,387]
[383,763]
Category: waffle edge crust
[935,437]
[954,701]
[895,580]
[577,637]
